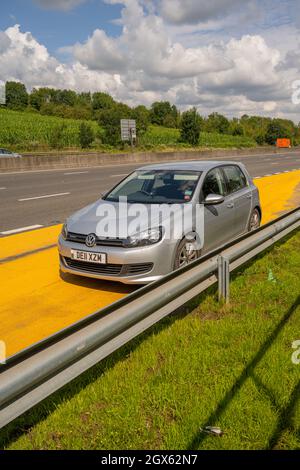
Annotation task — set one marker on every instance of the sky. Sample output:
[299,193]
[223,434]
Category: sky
[231,56]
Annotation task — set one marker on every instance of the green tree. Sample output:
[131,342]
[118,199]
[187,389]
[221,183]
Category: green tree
[260,139]
[84,99]
[39,97]
[162,112]
[142,116]
[276,130]
[110,120]
[102,101]
[190,127]
[237,129]
[16,95]
[86,135]
[56,137]
[217,123]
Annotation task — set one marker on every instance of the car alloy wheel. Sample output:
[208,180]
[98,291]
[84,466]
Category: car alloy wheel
[186,253]
[254,220]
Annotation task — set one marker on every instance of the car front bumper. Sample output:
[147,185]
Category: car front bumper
[127,265]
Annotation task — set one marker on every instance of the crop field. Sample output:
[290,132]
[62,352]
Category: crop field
[157,135]
[26,131]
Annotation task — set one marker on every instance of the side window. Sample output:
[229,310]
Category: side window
[214,183]
[236,179]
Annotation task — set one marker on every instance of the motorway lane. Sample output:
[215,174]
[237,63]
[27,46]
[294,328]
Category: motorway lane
[68,190]
[36,301]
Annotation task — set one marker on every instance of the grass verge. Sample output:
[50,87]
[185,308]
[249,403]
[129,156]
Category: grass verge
[228,366]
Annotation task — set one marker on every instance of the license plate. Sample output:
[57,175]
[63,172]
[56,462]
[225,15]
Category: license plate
[97,258]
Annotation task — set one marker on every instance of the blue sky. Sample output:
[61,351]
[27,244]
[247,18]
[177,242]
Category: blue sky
[230,56]
[56,28]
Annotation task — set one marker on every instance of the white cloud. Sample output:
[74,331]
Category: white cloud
[64,5]
[146,62]
[4,42]
[28,61]
[145,46]
[100,53]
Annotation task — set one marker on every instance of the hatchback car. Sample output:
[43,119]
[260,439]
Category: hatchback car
[159,218]
[8,153]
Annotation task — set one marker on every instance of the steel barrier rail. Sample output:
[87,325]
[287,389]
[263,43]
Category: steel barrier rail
[30,377]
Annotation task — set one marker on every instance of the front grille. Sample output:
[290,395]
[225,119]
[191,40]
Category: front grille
[109,269]
[80,238]
[76,237]
[138,268]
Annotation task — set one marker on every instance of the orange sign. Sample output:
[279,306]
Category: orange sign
[283,143]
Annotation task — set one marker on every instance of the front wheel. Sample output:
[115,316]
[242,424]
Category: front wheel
[255,220]
[186,253]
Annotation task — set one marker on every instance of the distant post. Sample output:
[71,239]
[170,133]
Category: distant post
[128,131]
[2,93]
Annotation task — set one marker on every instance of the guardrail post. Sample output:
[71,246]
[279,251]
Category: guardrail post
[223,278]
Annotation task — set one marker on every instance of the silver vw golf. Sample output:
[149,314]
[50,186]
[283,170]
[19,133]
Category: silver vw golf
[159,218]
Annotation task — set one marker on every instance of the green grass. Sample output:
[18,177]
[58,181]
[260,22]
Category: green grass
[162,136]
[21,130]
[228,366]
[27,131]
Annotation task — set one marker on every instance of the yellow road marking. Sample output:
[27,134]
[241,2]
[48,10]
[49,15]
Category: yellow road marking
[35,302]
[28,241]
[278,193]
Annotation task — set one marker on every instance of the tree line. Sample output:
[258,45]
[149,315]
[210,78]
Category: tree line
[108,112]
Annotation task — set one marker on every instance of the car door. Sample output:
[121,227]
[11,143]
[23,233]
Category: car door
[239,190]
[218,219]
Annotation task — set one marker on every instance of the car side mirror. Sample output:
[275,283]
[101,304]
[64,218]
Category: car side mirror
[213,199]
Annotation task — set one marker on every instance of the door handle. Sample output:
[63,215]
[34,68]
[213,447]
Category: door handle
[230,205]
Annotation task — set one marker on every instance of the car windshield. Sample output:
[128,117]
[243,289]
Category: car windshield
[156,187]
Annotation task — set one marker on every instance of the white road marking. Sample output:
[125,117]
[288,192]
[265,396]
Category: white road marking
[2,188]
[277,173]
[118,176]
[42,197]
[76,173]
[22,229]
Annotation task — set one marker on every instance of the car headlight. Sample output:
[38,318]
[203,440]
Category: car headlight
[145,238]
[64,232]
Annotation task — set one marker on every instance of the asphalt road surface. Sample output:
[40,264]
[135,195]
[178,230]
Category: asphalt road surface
[41,198]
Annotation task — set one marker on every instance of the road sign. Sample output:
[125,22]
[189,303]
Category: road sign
[283,143]
[2,92]
[128,130]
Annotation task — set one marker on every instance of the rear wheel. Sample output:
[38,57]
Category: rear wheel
[186,253]
[255,220]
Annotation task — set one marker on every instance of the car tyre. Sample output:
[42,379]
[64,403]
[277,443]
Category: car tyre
[186,253]
[255,220]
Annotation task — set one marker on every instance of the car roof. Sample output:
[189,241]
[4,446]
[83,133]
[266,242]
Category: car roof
[193,165]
